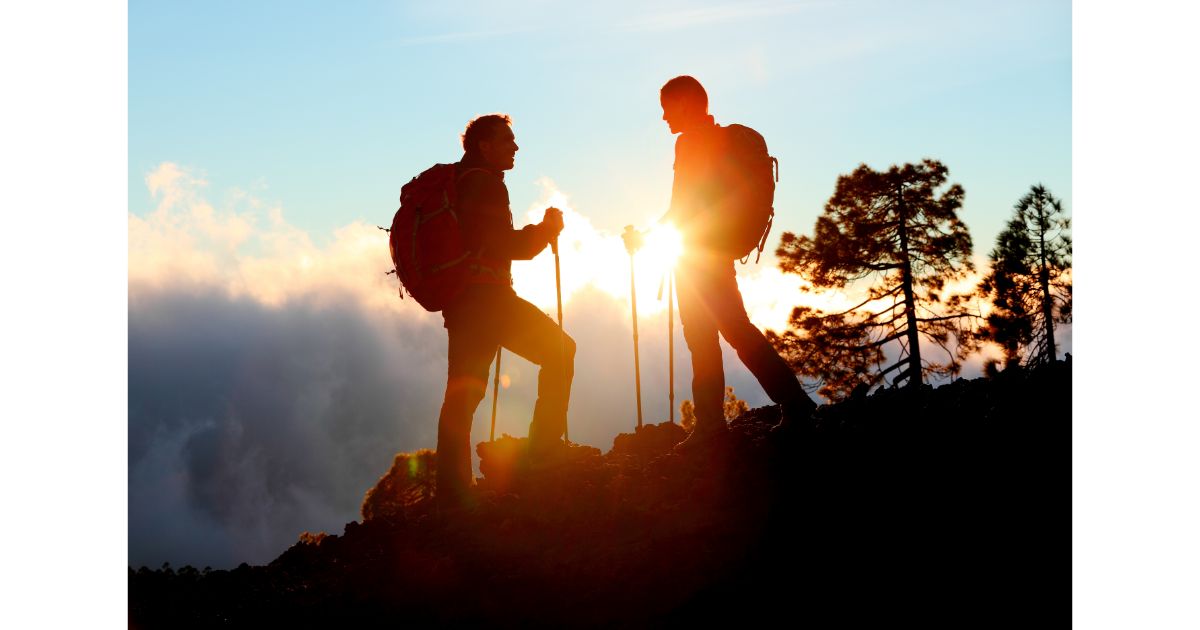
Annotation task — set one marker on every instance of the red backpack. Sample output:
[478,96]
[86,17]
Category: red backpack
[751,174]
[425,241]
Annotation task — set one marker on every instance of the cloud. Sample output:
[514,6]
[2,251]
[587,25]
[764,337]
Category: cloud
[267,421]
[250,250]
[272,378]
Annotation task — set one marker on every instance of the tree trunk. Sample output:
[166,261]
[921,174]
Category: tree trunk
[1044,281]
[910,301]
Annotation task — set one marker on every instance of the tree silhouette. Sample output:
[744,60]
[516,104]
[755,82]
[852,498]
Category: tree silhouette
[410,481]
[1029,284]
[893,231]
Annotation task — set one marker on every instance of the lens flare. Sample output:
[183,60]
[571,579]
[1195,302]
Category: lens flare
[662,248]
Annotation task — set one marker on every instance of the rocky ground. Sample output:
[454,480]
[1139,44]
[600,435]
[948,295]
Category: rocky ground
[945,507]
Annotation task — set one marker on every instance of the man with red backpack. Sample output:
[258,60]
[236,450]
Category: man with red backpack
[721,203]
[487,313]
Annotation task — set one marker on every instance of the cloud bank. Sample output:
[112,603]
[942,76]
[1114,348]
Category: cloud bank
[273,377]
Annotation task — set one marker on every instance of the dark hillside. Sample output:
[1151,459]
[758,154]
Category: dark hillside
[945,507]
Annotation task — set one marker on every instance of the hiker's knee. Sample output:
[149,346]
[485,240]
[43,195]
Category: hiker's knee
[568,349]
[701,340]
[742,334]
[562,354]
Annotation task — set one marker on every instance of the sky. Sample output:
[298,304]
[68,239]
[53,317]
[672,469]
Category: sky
[326,110]
[272,370]
[79,147]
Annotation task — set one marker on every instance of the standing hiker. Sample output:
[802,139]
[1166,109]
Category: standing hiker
[487,313]
[717,199]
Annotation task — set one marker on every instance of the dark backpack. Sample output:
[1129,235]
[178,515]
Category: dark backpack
[425,241]
[750,174]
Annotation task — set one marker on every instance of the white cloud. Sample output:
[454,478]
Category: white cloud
[252,348]
[251,250]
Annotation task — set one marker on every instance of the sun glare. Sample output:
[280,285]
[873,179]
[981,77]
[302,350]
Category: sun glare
[662,248]
[595,259]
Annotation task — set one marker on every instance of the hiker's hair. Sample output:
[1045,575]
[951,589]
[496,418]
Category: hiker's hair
[687,87]
[482,128]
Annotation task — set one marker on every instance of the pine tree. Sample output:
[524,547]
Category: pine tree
[410,481]
[1029,284]
[894,232]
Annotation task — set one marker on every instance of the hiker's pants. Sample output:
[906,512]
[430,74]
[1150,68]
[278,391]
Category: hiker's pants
[482,319]
[710,303]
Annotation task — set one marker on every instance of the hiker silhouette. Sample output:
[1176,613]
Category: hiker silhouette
[720,202]
[487,314]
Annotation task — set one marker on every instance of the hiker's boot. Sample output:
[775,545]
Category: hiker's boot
[544,456]
[703,437]
[453,501]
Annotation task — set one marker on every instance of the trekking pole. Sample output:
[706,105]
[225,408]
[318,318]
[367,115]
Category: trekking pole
[496,392]
[562,338]
[633,242]
[670,337]
[669,280]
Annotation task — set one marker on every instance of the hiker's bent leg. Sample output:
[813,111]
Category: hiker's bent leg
[470,355]
[531,334]
[700,333]
[773,373]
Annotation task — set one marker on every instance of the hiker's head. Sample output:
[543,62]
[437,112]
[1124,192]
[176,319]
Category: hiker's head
[684,103]
[491,139]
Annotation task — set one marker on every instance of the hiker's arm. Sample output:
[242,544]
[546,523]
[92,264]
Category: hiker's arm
[522,244]
[676,213]
[688,211]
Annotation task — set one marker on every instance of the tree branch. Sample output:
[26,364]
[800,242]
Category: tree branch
[867,301]
[876,344]
[943,318]
[894,366]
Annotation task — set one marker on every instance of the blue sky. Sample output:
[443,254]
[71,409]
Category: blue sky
[327,109]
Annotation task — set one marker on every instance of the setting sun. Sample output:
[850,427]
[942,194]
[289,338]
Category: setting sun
[596,258]
[662,248]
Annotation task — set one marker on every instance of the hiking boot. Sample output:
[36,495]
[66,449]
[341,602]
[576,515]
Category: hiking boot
[703,437]
[545,457]
[548,450]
